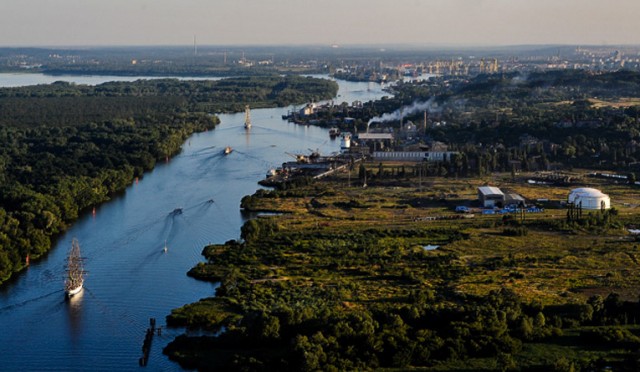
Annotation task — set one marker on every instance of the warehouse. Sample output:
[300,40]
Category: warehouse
[490,196]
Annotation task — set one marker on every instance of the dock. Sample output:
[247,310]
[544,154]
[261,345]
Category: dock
[148,339]
[319,167]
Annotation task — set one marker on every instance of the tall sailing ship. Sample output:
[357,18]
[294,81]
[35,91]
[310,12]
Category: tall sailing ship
[247,117]
[75,271]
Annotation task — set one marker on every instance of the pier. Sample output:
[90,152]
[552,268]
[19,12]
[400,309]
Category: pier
[317,167]
[148,339]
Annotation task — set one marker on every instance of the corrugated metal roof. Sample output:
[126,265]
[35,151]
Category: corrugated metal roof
[490,190]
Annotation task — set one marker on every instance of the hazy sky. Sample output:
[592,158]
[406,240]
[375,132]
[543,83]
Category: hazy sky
[215,22]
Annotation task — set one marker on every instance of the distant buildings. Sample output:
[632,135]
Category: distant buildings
[414,155]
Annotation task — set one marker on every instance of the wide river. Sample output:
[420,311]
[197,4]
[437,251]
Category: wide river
[130,279]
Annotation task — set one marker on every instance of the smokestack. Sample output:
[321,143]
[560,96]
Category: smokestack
[425,122]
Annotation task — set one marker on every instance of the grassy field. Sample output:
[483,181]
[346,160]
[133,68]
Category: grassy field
[549,264]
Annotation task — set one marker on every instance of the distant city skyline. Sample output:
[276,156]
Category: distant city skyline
[327,22]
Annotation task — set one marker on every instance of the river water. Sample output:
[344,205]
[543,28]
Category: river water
[8,80]
[130,278]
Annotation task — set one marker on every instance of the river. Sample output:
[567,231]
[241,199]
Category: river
[130,279]
[18,79]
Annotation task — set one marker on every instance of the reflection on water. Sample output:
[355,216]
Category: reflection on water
[74,311]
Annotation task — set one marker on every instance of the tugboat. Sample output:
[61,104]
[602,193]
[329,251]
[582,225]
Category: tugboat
[227,150]
[247,117]
[75,271]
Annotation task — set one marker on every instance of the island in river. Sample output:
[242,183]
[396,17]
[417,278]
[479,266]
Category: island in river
[391,276]
[66,148]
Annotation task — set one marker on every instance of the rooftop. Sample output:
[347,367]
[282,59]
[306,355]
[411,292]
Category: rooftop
[490,190]
[587,191]
[375,136]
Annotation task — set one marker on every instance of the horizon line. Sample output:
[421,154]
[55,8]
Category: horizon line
[315,45]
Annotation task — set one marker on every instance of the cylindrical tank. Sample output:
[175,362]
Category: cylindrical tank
[590,198]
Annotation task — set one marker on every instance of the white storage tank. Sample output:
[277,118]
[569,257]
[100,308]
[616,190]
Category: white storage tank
[345,142]
[590,198]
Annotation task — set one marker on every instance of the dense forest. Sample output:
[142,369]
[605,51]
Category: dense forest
[65,148]
[61,103]
[566,118]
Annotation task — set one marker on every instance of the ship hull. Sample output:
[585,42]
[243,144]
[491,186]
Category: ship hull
[73,291]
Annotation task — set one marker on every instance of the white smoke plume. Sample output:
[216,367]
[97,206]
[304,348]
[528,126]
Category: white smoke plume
[405,111]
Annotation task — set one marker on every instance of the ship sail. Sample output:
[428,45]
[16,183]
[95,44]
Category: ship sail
[247,117]
[75,270]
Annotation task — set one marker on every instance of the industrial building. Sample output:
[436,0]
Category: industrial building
[512,198]
[589,198]
[375,136]
[374,141]
[490,196]
[414,155]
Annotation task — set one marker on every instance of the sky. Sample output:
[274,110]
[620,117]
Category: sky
[324,22]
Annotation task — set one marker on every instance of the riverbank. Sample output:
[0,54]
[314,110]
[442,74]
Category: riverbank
[353,278]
